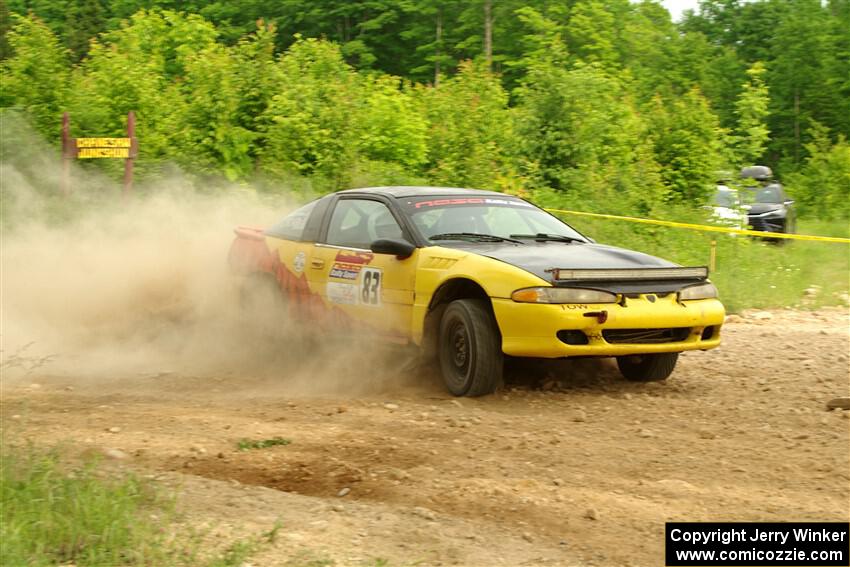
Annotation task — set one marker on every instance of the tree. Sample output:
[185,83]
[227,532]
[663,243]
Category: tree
[822,185]
[431,34]
[579,133]
[802,86]
[394,129]
[469,132]
[591,34]
[35,78]
[139,67]
[751,108]
[542,41]
[687,143]
[85,19]
[5,27]
[312,123]
[226,90]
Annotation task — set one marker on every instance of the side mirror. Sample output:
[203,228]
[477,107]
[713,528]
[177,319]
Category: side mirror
[789,202]
[401,249]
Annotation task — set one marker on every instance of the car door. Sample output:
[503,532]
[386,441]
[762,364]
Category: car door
[291,242]
[373,291]
[790,212]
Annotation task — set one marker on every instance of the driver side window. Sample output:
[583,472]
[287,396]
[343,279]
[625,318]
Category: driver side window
[356,223]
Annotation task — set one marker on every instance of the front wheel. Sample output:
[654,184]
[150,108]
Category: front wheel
[647,367]
[470,349]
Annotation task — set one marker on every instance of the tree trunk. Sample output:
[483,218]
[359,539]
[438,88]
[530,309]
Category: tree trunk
[488,33]
[796,126]
[438,43]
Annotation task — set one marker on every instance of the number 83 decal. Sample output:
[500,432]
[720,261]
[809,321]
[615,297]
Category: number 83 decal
[370,286]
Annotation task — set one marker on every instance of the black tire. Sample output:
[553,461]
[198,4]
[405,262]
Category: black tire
[647,367]
[469,348]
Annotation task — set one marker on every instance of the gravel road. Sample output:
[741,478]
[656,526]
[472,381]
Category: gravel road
[569,465]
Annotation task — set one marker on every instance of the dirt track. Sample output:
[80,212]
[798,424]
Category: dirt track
[584,471]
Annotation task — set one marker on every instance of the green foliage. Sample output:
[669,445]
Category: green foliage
[54,515]
[85,19]
[133,69]
[35,78]
[580,134]
[5,27]
[212,135]
[599,101]
[822,186]
[394,129]
[687,143]
[804,45]
[803,87]
[542,40]
[310,125]
[751,107]
[469,129]
[226,91]
[58,512]
[591,32]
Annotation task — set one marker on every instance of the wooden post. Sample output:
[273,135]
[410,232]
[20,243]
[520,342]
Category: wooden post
[712,257]
[66,154]
[128,163]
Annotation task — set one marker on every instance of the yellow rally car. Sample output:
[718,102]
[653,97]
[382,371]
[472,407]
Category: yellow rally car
[471,276]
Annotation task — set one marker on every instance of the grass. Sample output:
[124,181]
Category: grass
[248,444]
[310,558]
[52,514]
[55,513]
[239,551]
[750,273]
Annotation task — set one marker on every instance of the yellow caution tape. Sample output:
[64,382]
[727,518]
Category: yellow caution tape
[707,228]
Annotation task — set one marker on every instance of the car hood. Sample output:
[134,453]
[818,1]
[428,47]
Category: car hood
[726,213]
[538,257]
[761,208]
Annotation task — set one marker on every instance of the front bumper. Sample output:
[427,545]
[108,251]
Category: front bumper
[766,223]
[532,330]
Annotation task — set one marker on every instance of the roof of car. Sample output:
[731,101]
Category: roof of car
[401,192]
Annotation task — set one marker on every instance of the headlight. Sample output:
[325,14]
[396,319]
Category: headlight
[702,291]
[562,295]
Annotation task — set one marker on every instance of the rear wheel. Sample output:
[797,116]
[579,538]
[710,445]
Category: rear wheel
[262,302]
[469,348]
[647,367]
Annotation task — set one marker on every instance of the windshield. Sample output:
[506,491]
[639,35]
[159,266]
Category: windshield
[448,218]
[726,197]
[771,194]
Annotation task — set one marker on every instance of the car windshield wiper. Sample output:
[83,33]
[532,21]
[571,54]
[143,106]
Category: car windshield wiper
[472,236]
[542,237]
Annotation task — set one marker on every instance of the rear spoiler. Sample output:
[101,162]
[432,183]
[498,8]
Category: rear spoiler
[250,232]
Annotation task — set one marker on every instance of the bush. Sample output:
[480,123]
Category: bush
[822,186]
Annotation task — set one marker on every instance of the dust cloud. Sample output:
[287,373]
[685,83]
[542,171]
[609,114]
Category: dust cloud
[101,290]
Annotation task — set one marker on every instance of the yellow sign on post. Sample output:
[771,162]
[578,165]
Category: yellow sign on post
[103,153]
[88,148]
[104,142]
